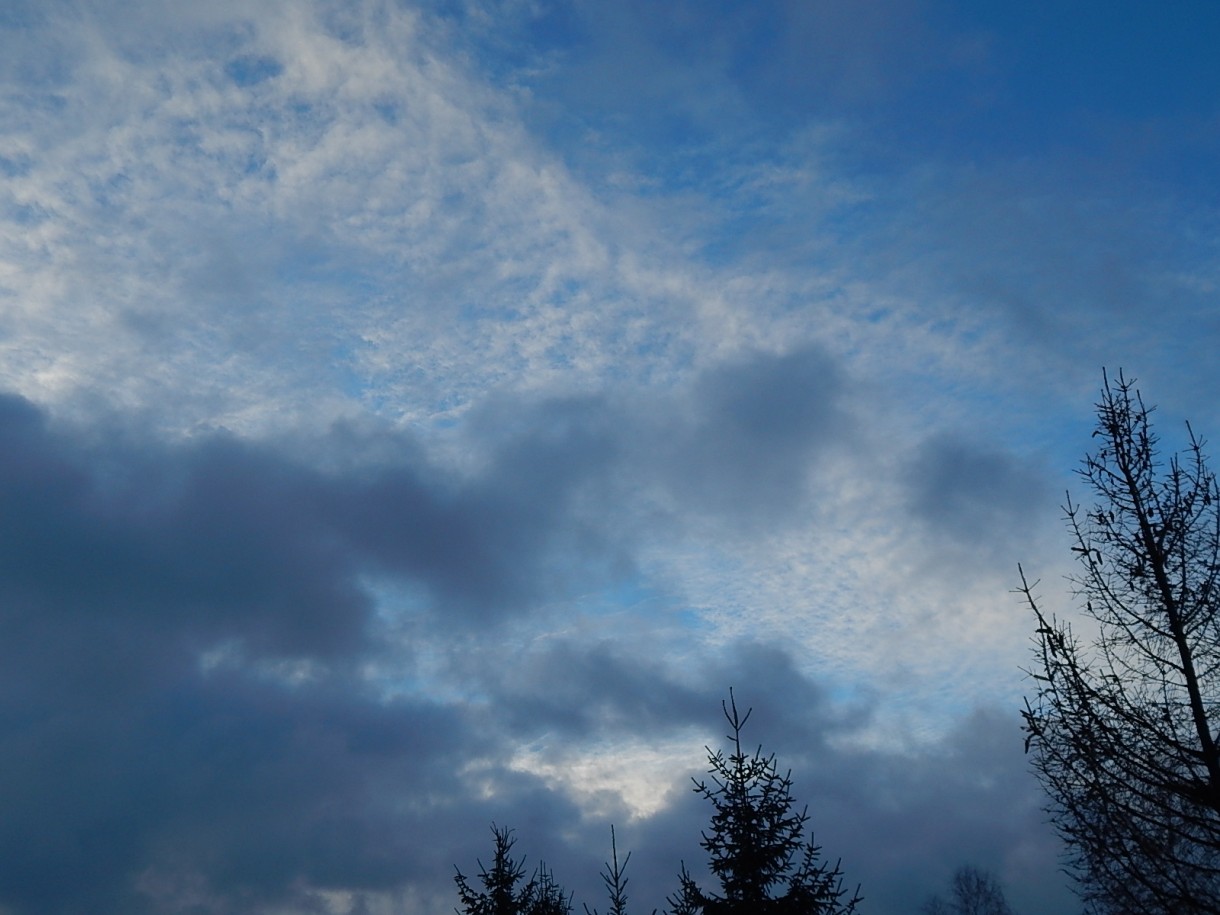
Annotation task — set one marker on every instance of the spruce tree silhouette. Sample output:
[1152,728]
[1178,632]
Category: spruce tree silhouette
[614,876]
[756,842]
[503,893]
[548,897]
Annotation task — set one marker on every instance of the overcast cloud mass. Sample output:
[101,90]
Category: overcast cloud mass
[418,415]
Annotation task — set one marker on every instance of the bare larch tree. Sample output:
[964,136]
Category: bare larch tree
[1122,728]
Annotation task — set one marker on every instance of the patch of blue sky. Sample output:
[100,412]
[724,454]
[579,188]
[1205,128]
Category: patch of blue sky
[482,310]
[389,110]
[250,70]
[351,382]
[20,14]
[631,594]
[259,164]
[397,601]
[664,349]
[38,102]
[1103,81]
[111,190]
[26,215]
[15,166]
[694,620]
[444,422]
[349,373]
[510,45]
[1125,58]
[328,263]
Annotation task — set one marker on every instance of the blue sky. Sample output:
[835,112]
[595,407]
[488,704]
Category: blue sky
[420,415]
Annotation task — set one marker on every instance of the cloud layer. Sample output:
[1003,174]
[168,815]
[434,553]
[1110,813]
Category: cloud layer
[418,415]
[207,704]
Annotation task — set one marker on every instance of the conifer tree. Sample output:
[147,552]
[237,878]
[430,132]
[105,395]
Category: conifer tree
[503,892]
[548,897]
[614,876]
[756,843]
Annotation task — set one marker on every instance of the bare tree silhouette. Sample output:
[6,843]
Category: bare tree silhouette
[974,892]
[1122,731]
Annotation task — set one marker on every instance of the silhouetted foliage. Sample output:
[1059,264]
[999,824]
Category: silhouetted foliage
[503,892]
[1122,731]
[548,897]
[614,876]
[756,843]
[975,892]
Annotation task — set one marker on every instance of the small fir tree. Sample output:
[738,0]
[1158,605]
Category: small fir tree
[756,844]
[614,876]
[503,892]
[548,897]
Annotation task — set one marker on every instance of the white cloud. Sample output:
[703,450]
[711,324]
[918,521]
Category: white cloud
[361,223]
[639,778]
[741,377]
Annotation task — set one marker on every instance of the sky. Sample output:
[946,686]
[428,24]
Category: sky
[418,415]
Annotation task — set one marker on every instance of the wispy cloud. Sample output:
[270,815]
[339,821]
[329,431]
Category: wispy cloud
[419,414]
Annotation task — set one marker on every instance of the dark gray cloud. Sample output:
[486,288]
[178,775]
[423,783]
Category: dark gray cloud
[745,442]
[234,673]
[911,819]
[976,495]
[772,407]
[180,633]
[738,441]
[184,635]
[901,821]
